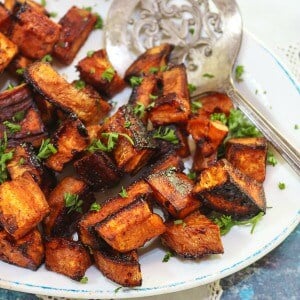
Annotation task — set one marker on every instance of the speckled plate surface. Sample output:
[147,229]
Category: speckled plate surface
[269,86]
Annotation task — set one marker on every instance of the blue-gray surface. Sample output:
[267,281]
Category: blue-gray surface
[275,276]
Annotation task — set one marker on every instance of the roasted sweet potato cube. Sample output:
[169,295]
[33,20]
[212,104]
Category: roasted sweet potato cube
[76,26]
[22,205]
[122,268]
[155,57]
[8,50]
[10,5]
[174,105]
[215,103]
[129,157]
[98,170]
[93,131]
[68,201]
[70,139]
[26,252]
[201,162]
[18,65]
[173,192]
[33,32]
[5,20]
[130,227]
[139,189]
[47,111]
[97,70]
[248,155]
[62,94]
[194,237]
[67,257]
[208,134]
[227,190]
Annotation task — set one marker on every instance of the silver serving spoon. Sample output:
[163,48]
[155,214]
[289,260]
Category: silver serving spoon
[207,36]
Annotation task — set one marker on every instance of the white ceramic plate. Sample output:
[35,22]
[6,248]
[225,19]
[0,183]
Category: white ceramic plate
[270,86]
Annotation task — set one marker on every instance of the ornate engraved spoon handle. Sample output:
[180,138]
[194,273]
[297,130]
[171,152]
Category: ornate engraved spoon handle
[280,143]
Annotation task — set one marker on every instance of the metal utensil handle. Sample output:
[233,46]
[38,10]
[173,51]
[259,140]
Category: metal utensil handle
[281,144]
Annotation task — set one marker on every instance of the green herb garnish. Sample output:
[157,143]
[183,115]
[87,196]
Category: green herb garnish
[219,117]
[117,289]
[108,74]
[99,22]
[296,126]
[239,71]
[73,202]
[18,116]
[46,149]
[10,86]
[166,134]
[123,193]
[226,222]
[139,110]
[281,185]
[135,81]
[95,207]
[192,88]
[20,71]
[53,14]
[271,159]
[191,175]
[196,104]
[47,58]
[84,280]
[79,84]
[152,97]
[192,31]
[179,222]
[43,3]
[153,70]
[167,256]
[12,127]
[4,158]
[127,124]
[21,161]
[90,53]
[207,75]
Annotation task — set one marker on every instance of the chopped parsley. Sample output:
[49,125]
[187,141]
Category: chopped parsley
[79,84]
[135,81]
[226,222]
[87,8]
[20,71]
[152,97]
[139,110]
[4,158]
[219,117]
[21,161]
[153,70]
[192,31]
[90,53]
[47,58]
[281,185]
[43,3]
[271,159]
[207,75]
[99,22]
[95,207]
[108,74]
[166,134]
[192,88]
[73,202]
[18,116]
[167,256]
[112,138]
[123,193]
[191,175]
[12,127]
[196,104]
[10,86]
[117,289]
[239,71]
[53,14]
[84,280]
[179,222]
[296,126]
[163,68]
[127,124]
[46,149]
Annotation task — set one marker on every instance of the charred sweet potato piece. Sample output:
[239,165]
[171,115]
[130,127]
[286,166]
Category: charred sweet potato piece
[62,94]
[248,155]
[122,268]
[10,5]
[208,134]
[155,57]
[226,190]
[33,32]
[129,157]
[67,257]
[97,70]
[26,252]
[76,26]
[65,209]
[70,139]
[173,192]
[139,189]
[201,162]
[215,103]
[18,65]
[8,50]
[93,131]
[174,105]
[5,20]
[98,170]
[22,205]
[194,237]
[130,227]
